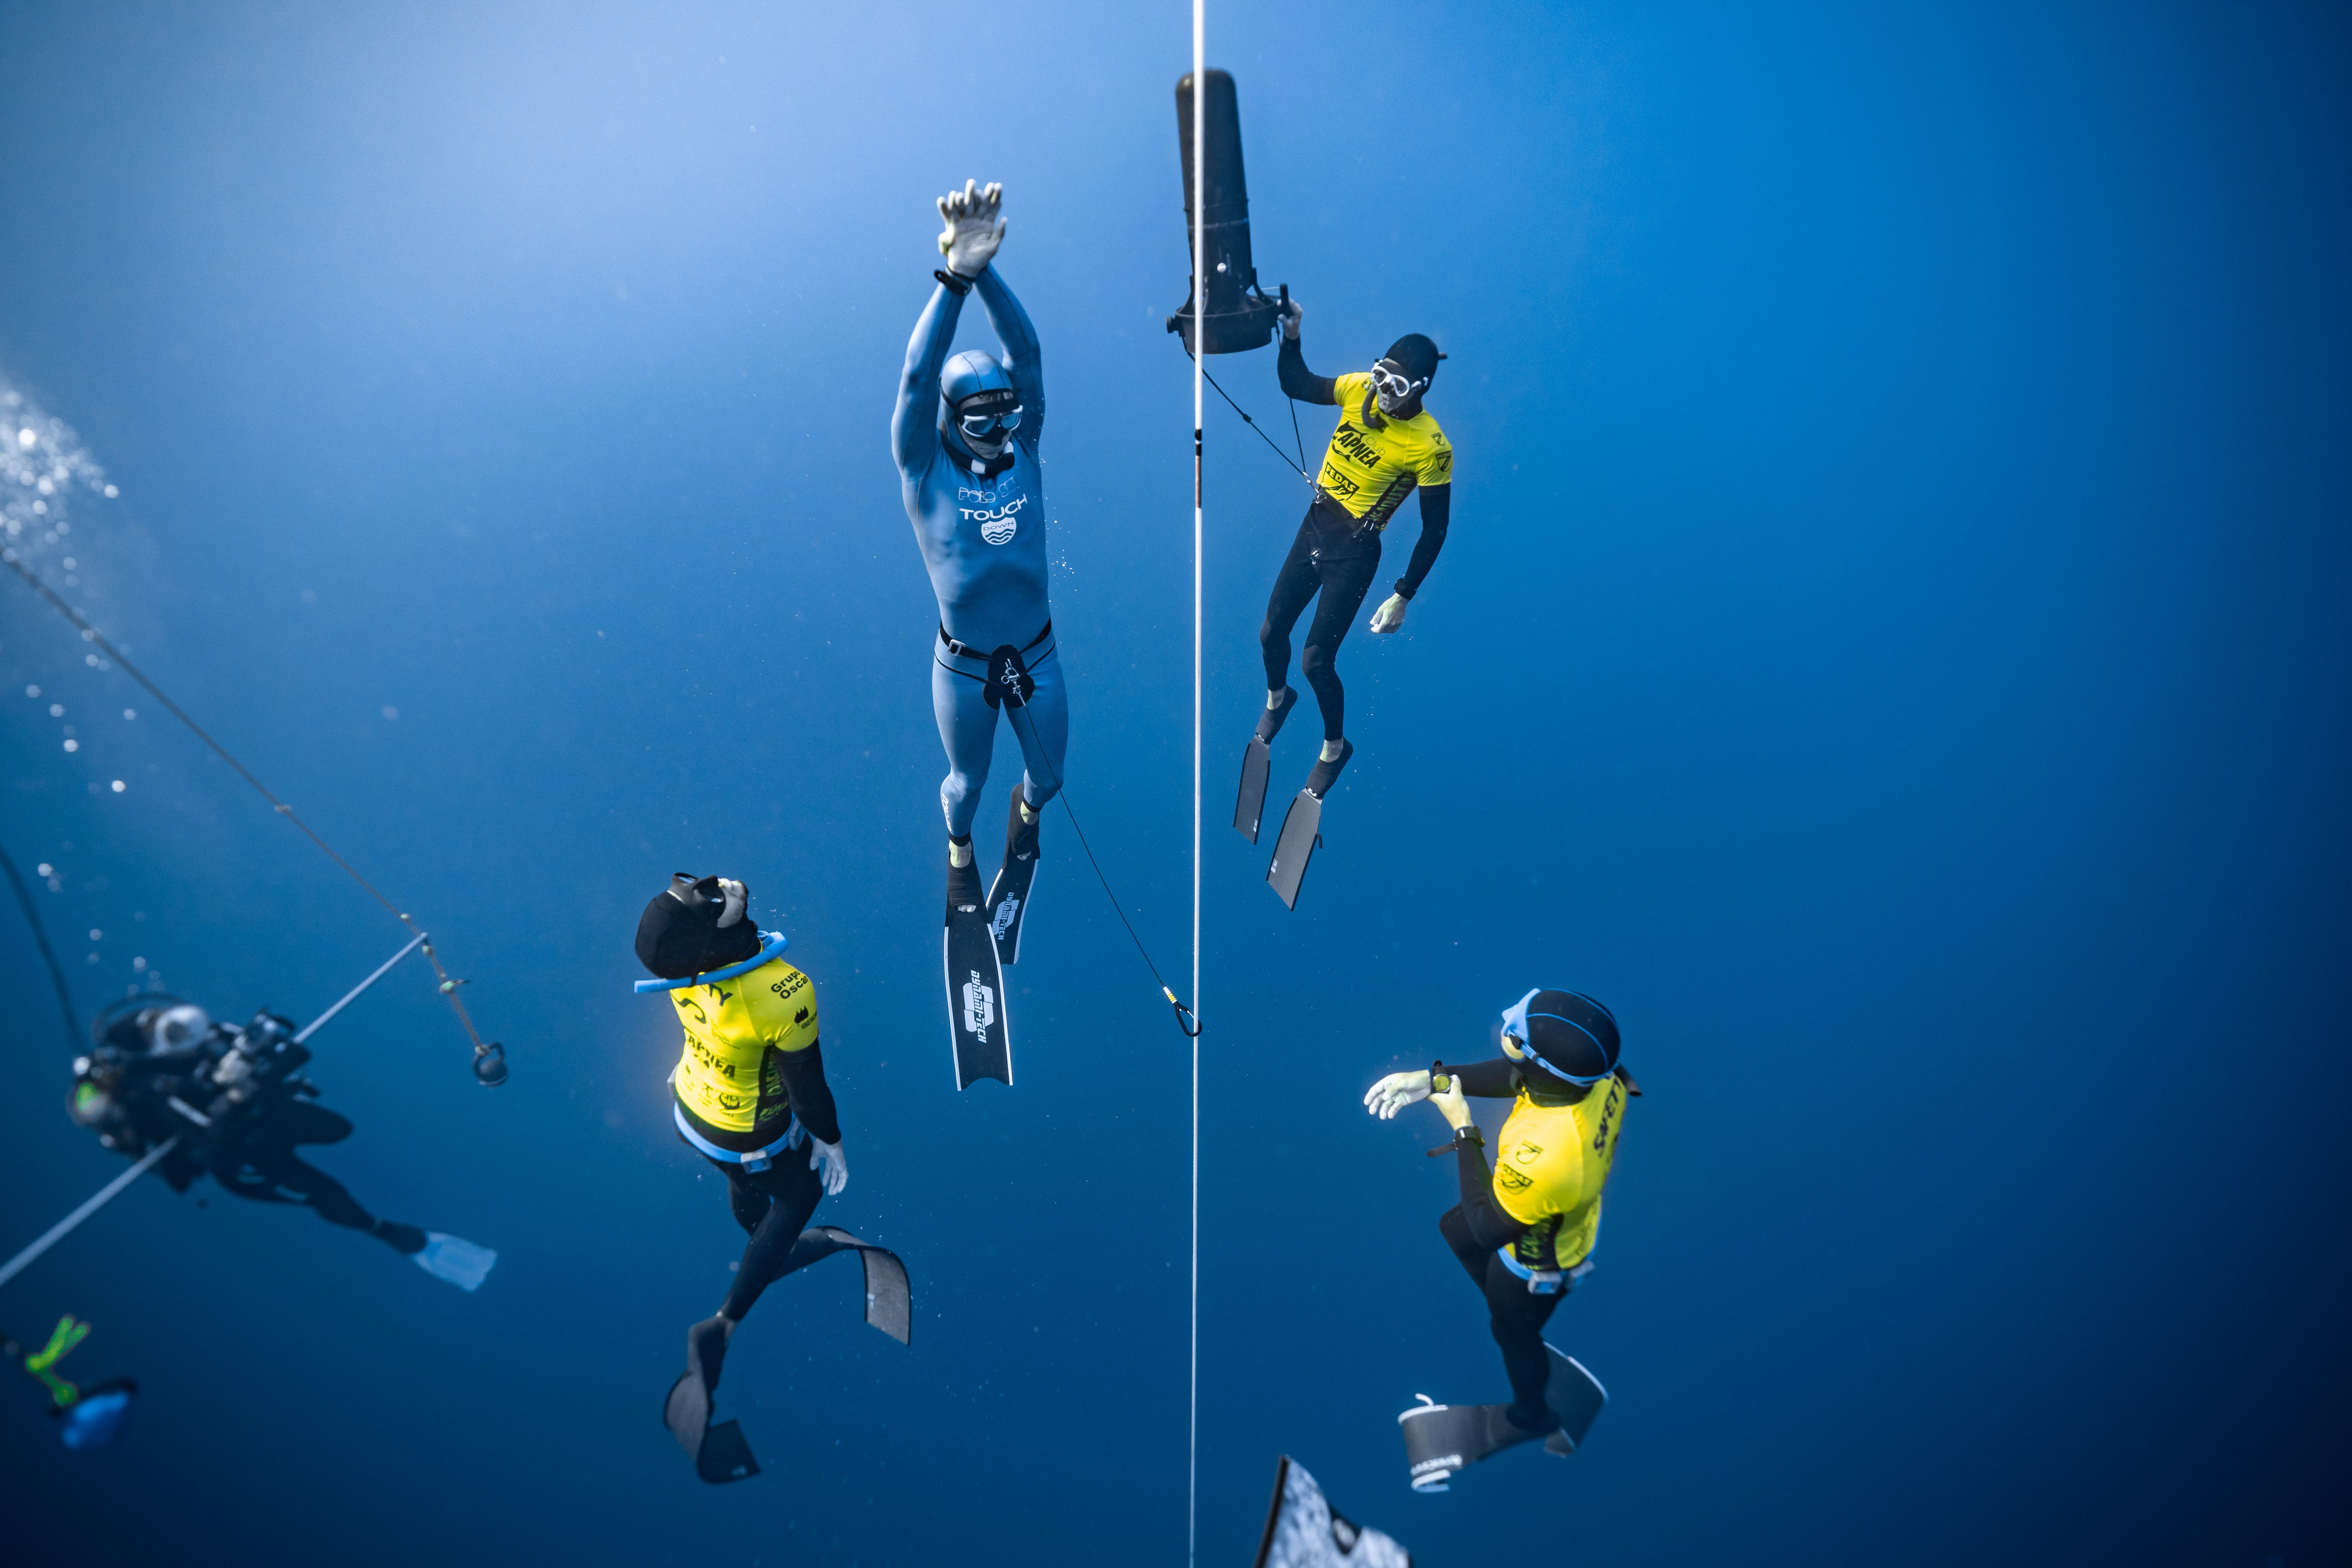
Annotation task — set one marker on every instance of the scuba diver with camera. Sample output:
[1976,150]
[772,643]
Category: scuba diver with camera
[235,1101]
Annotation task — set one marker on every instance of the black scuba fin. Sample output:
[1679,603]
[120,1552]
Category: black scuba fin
[977,1027]
[1257,759]
[1442,1439]
[720,1453]
[1249,806]
[1302,835]
[1008,897]
[1575,1396]
[889,1301]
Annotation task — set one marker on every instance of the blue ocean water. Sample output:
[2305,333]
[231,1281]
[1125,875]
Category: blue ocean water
[1891,647]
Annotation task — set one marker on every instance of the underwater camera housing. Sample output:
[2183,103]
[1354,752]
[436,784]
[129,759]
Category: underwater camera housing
[1236,315]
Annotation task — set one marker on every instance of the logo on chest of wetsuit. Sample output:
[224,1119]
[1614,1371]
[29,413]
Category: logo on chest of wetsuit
[997,510]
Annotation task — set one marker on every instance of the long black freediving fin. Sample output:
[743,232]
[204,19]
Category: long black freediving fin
[1249,806]
[720,1453]
[890,1300]
[1441,1440]
[1008,896]
[1302,835]
[977,1027]
[1575,1396]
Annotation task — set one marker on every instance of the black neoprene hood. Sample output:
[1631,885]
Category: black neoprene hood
[1416,355]
[678,935]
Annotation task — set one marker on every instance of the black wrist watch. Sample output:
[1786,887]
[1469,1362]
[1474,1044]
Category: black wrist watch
[955,283]
[1469,1135]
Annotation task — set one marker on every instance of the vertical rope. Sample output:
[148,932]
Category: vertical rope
[1200,347]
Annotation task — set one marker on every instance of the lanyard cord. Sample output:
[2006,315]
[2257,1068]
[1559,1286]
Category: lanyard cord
[491,1053]
[41,939]
[1298,467]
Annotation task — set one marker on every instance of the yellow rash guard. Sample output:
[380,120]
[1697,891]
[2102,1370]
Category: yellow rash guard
[1373,462]
[1551,1162]
[730,1073]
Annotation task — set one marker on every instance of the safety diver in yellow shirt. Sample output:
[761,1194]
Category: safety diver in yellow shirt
[1386,446]
[1525,1234]
[748,1091]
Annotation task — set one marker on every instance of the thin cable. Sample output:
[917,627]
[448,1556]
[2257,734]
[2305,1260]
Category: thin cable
[1298,467]
[41,939]
[490,1052]
[1200,314]
[90,1207]
[1186,1018]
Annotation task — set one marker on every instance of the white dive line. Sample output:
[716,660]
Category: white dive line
[351,995]
[1199,348]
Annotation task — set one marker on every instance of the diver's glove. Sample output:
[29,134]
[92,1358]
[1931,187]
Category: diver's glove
[973,229]
[829,1159]
[1390,615]
[1396,1091]
[1291,313]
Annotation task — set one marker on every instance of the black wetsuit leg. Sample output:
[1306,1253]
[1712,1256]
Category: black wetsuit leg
[1340,567]
[273,1172]
[1516,1316]
[773,1205]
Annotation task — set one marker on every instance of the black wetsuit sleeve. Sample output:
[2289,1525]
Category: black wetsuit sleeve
[1497,1079]
[812,1101]
[1436,513]
[1489,1225]
[1297,380]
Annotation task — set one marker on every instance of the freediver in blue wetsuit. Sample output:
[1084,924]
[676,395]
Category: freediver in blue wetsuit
[965,432]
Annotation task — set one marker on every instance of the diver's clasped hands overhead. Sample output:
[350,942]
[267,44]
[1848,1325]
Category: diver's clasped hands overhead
[973,229]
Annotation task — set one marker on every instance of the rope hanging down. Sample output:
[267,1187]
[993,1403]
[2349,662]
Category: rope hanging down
[489,1056]
[1186,1019]
[1298,467]
[41,940]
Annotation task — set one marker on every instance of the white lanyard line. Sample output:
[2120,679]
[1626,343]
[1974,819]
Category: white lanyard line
[1200,347]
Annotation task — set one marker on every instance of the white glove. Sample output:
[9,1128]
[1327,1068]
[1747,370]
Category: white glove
[1390,615]
[829,1158]
[1394,1092]
[1291,316]
[973,229]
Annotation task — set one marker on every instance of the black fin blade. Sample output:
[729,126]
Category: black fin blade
[1008,907]
[1301,833]
[1441,1440]
[890,1300]
[726,1456]
[1249,806]
[1574,1395]
[977,1026]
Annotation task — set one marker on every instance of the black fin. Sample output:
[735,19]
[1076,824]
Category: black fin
[890,1300]
[1301,834]
[1249,806]
[977,1026]
[1575,1396]
[1008,896]
[1441,1440]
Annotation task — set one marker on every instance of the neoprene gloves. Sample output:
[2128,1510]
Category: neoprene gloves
[1390,615]
[973,229]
